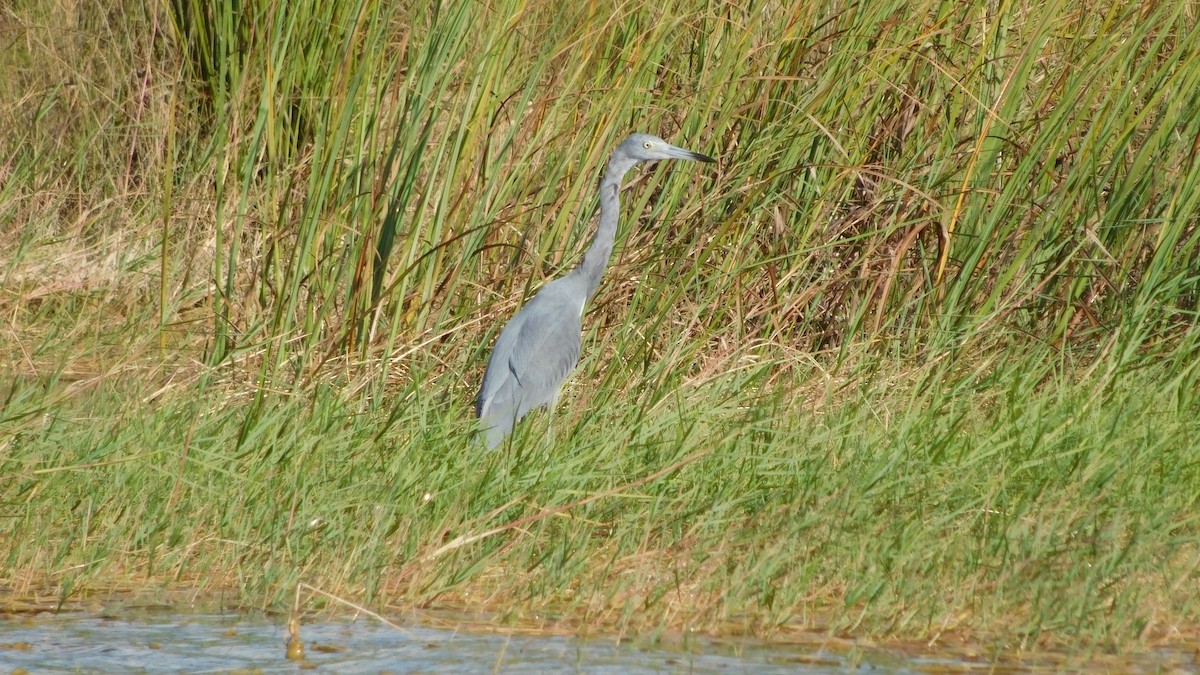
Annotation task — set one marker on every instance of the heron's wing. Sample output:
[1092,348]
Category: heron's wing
[546,352]
[496,388]
[532,357]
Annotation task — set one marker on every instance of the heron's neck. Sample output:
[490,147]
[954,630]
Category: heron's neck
[597,255]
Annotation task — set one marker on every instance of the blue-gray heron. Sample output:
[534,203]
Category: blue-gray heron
[539,347]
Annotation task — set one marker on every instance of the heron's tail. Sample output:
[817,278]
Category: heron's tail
[494,429]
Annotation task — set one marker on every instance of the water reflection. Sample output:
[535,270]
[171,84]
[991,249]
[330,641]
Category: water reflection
[165,640]
[216,643]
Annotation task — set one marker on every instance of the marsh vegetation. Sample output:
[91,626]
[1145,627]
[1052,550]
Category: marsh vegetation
[917,359]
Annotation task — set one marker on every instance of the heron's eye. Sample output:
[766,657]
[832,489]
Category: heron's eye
[647,145]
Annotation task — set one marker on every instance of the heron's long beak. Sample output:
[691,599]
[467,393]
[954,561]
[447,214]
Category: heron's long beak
[680,153]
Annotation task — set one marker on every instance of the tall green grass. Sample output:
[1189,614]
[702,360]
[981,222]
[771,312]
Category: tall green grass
[918,357]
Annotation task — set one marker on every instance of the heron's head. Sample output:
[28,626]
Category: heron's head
[648,148]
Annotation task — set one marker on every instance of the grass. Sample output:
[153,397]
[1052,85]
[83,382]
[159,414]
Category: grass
[917,359]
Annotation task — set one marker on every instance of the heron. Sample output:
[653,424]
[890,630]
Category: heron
[539,347]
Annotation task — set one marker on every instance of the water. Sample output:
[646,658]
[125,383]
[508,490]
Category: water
[169,641]
[149,642]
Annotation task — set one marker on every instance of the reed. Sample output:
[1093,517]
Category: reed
[918,358]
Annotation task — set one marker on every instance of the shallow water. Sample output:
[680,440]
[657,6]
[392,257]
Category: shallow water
[219,643]
[197,643]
